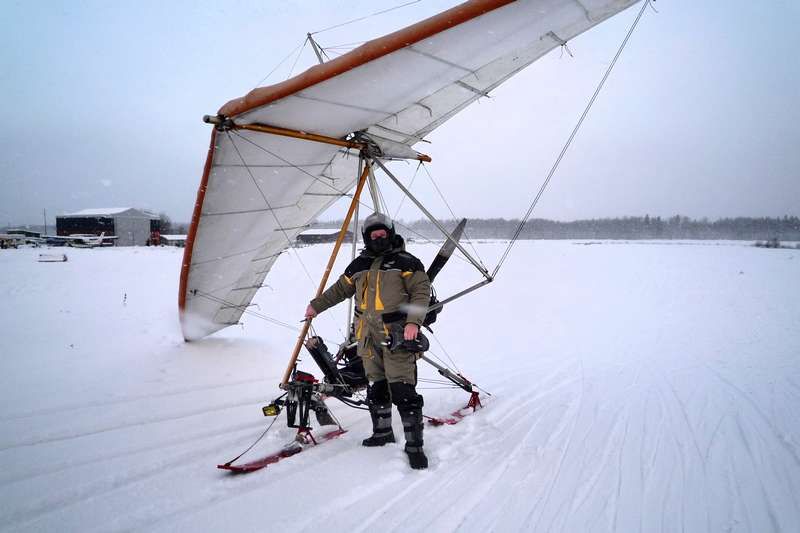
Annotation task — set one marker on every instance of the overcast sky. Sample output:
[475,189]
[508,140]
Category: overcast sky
[103,104]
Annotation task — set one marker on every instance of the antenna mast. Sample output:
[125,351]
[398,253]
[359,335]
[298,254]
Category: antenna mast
[316,47]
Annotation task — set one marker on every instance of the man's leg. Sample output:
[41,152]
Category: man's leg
[378,400]
[401,371]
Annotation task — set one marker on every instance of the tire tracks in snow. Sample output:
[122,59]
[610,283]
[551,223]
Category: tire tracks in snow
[110,484]
[695,443]
[767,502]
[567,447]
[451,487]
[67,435]
[776,433]
[668,417]
[124,400]
[61,467]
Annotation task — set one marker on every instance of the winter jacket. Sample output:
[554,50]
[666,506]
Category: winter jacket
[392,286]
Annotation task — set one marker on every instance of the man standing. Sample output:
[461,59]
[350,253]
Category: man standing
[392,292]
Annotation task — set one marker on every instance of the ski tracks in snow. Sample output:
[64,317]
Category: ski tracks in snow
[686,421]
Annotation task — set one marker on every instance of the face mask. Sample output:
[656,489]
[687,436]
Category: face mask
[379,245]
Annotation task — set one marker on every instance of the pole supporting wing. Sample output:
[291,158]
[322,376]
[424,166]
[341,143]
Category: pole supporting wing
[342,232]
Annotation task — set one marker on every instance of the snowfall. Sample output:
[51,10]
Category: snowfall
[635,386]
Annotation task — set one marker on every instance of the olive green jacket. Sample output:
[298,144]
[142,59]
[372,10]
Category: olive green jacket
[393,286]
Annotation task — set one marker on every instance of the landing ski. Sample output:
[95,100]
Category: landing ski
[457,416]
[302,441]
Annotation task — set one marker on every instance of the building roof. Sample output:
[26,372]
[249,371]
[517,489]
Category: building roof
[109,212]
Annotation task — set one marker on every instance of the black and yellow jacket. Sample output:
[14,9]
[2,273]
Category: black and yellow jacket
[393,285]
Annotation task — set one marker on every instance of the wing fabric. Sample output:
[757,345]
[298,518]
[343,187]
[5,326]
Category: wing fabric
[259,190]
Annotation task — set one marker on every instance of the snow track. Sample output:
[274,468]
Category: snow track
[635,388]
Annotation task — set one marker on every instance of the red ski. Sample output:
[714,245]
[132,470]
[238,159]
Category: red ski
[304,439]
[457,416]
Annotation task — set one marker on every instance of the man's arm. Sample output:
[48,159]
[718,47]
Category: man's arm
[340,291]
[418,287]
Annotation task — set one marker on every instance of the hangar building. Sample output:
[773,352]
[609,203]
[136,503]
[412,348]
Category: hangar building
[132,227]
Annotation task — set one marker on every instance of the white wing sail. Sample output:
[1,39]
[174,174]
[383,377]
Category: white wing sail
[260,190]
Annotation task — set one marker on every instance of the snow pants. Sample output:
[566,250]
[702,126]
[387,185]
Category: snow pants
[379,362]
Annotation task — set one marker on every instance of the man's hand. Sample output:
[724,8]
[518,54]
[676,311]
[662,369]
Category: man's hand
[310,312]
[410,332]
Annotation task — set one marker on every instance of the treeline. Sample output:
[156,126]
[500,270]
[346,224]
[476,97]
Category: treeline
[785,228]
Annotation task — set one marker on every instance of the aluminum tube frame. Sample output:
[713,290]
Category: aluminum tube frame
[458,379]
[373,191]
[458,295]
[403,188]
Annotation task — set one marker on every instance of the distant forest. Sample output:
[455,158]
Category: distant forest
[786,228]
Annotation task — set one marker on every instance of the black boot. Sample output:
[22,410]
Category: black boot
[380,410]
[409,403]
[382,433]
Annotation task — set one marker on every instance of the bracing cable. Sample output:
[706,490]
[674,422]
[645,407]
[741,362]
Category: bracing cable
[272,211]
[403,197]
[366,17]
[264,434]
[577,127]
[282,61]
[455,218]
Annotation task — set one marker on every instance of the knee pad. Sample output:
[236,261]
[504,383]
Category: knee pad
[405,396]
[378,393]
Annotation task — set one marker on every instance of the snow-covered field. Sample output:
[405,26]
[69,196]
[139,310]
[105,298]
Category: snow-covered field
[635,388]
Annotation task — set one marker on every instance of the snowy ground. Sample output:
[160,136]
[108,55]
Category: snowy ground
[636,388]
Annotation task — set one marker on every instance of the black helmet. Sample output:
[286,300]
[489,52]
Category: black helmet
[377,221]
[382,245]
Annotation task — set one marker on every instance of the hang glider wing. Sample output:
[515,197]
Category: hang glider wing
[260,190]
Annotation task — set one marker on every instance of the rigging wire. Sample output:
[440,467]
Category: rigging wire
[282,61]
[256,314]
[403,197]
[569,141]
[455,366]
[296,59]
[344,194]
[348,46]
[345,46]
[455,218]
[365,17]
[272,211]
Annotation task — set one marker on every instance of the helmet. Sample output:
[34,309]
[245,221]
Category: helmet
[381,245]
[377,221]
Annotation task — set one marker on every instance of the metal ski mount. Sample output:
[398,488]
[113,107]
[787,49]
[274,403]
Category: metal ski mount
[303,395]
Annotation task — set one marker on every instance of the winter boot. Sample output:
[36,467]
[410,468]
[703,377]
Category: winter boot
[381,426]
[380,410]
[409,403]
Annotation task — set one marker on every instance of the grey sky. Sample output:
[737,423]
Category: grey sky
[104,103]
